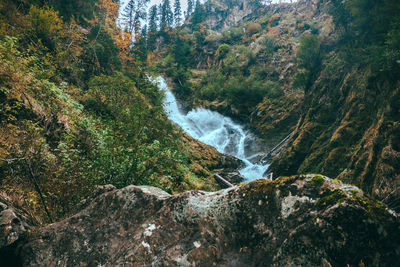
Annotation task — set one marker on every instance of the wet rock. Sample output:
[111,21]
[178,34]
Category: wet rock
[296,221]
[234,177]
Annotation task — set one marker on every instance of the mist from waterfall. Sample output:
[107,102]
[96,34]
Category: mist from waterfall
[215,130]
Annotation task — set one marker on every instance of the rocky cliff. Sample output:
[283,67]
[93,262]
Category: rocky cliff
[296,221]
[228,13]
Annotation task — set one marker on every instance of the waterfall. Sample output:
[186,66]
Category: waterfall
[216,130]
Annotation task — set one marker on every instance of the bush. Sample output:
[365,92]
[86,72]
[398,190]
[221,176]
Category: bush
[253,28]
[308,58]
[223,50]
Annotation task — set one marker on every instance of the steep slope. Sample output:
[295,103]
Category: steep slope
[319,69]
[349,124]
[77,110]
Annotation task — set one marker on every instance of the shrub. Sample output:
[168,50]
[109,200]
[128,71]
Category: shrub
[223,50]
[253,28]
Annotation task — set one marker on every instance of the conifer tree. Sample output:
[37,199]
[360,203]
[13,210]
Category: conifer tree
[152,30]
[153,19]
[128,16]
[167,17]
[189,8]
[177,12]
[133,13]
[197,14]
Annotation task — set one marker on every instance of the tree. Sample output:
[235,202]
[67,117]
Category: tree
[129,16]
[308,58]
[152,29]
[189,8]
[153,19]
[198,14]
[177,12]
[134,12]
[141,45]
[167,17]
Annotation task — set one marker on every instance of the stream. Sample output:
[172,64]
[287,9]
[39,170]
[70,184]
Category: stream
[218,131]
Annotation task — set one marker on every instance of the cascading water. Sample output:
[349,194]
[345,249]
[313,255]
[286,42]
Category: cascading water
[216,130]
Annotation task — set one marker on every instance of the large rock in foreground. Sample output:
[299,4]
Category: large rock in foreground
[14,225]
[296,221]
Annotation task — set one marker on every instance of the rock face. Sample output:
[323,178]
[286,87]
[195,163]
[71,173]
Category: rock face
[13,225]
[228,13]
[296,221]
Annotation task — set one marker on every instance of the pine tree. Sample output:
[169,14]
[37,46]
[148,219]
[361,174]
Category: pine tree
[141,45]
[133,13]
[198,14]
[153,19]
[177,12]
[152,31]
[167,17]
[128,16]
[189,8]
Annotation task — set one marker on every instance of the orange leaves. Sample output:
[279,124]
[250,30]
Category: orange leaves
[45,21]
[122,39]
[110,9]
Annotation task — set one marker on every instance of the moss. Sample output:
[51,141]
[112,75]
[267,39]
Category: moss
[260,188]
[354,191]
[337,181]
[318,180]
[373,208]
[330,198]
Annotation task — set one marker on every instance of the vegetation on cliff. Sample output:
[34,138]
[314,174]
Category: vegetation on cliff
[327,70]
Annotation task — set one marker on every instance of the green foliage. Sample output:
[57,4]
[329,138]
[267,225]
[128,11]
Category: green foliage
[197,16]
[318,180]
[79,9]
[45,26]
[368,34]
[100,55]
[73,118]
[330,198]
[308,60]
[223,50]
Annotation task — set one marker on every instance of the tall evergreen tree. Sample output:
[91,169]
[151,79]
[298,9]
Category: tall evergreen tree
[141,45]
[177,12]
[133,13]
[198,14]
[167,17]
[152,30]
[128,16]
[153,19]
[189,8]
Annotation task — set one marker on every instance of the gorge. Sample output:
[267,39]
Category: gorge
[218,131]
[100,166]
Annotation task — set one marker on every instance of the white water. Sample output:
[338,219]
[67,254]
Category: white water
[216,130]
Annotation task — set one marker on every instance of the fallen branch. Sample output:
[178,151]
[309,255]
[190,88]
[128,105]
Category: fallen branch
[223,180]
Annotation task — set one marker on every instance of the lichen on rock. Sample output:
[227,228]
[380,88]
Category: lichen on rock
[286,222]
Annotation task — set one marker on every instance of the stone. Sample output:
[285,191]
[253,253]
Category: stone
[14,226]
[286,222]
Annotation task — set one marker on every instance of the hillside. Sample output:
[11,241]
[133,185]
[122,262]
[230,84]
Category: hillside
[77,111]
[316,69]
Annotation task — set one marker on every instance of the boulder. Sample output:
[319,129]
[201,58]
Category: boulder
[305,220]
[14,225]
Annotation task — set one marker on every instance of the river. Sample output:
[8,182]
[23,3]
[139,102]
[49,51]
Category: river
[216,130]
